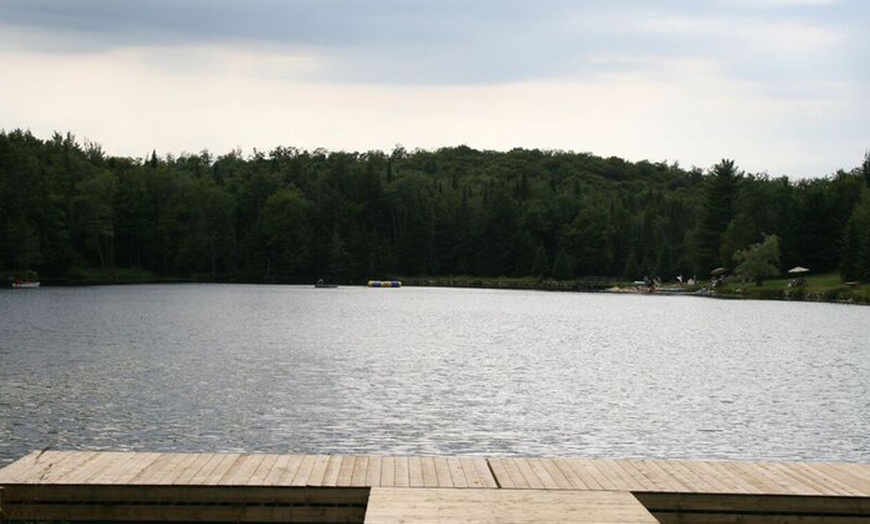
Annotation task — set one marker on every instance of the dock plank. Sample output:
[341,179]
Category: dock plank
[735,479]
[330,477]
[758,477]
[415,472]
[791,479]
[842,473]
[259,476]
[583,470]
[140,461]
[388,472]
[345,471]
[192,466]
[241,471]
[860,472]
[187,462]
[542,473]
[508,474]
[626,474]
[442,473]
[765,488]
[287,470]
[474,475]
[826,484]
[704,478]
[279,469]
[23,467]
[65,464]
[304,471]
[721,476]
[360,471]
[457,472]
[395,505]
[154,469]
[562,481]
[92,468]
[122,467]
[430,477]
[403,473]
[573,478]
[639,474]
[220,469]
[673,477]
[373,472]
[484,474]
[195,475]
[318,472]
[333,467]
[654,477]
[528,473]
[605,475]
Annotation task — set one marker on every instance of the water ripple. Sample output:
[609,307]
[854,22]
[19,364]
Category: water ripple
[431,371]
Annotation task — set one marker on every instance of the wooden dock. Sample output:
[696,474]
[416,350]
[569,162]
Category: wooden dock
[118,486]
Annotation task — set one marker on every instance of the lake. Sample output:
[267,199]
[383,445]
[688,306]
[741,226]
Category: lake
[290,369]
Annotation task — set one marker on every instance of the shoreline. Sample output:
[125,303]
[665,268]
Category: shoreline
[840,295]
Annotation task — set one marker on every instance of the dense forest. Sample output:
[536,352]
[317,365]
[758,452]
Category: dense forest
[290,215]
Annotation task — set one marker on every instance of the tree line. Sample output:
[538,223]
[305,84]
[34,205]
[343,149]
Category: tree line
[291,215]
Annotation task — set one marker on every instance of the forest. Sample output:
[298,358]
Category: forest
[294,216]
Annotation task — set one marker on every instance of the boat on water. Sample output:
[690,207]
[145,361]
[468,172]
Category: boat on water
[385,283]
[25,284]
[320,284]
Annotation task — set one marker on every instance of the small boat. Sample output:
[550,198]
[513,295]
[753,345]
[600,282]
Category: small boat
[320,284]
[385,283]
[25,284]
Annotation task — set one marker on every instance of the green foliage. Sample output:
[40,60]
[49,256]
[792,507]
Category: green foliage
[288,215]
[855,259]
[759,261]
[865,168]
[717,213]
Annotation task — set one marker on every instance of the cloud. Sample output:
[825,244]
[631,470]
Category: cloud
[680,109]
[450,41]
[443,42]
[777,85]
[768,4]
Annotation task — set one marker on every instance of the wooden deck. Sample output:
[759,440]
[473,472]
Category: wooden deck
[444,506]
[85,485]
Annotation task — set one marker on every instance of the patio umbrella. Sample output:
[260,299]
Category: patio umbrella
[798,269]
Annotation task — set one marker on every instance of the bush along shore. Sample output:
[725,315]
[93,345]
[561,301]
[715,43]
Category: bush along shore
[823,288]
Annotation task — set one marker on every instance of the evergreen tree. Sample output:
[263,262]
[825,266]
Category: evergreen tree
[716,214]
[865,168]
[855,256]
[297,215]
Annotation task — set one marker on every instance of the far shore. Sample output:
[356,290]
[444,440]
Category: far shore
[814,288]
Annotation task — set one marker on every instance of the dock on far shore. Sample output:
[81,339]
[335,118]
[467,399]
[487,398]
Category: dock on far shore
[74,486]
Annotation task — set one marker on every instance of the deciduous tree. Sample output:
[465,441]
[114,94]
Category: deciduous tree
[759,261]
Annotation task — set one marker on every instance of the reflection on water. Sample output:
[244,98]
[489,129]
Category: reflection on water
[431,371]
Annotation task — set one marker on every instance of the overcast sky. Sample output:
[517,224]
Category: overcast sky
[780,86]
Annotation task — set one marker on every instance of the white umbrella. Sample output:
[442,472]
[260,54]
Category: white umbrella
[798,269]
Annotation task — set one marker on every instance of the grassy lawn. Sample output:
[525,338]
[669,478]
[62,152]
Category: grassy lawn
[825,287]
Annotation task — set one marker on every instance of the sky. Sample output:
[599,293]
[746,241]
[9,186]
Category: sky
[780,86]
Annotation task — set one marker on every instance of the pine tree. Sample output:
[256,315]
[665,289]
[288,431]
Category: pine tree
[717,213]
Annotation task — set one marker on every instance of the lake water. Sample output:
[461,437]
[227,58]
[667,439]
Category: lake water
[287,369]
